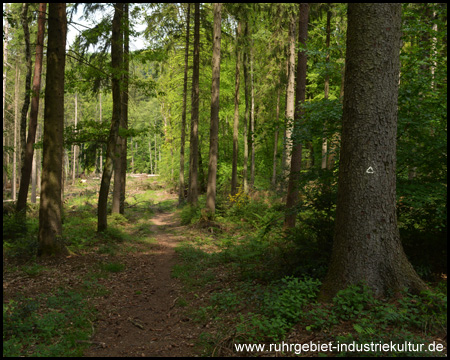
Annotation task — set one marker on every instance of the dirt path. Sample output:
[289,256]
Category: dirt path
[139,316]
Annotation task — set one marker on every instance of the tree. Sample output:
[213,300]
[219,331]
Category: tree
[194,148]
[367,244]
[5,67]
[236,112]
[215,91]
[183,114]
[296,157]
[120,168]
[26,102]
[27,164]
[116,62]
[50,210]
[290,96]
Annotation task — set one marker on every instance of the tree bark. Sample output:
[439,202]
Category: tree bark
[120,170]
[366,243]
[26,104]
[236,112]
[75,147]
[214,129]
[326,86]
[5,69]
[247,108]
[32,125]
[116,60]
[290,98]
[183,114]
[194,148]
[296,158]
[50,209]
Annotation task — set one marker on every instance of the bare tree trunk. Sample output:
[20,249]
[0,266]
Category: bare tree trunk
[75,147]
[116,59]
[16,124]
[236,112]
[194,148]
[183,114]
[120,175]
[290,98]
[252,123]
[275,142]
[247,109]
[29,150]
[326,87]
[5,69]
[296,159]
[50,209]
[21,203]
[215,92]
[366,245]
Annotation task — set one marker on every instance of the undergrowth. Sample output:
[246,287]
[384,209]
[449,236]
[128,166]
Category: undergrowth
[270,281]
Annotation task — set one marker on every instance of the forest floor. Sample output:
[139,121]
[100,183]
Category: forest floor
[133,292]
[150,286]
[139,316]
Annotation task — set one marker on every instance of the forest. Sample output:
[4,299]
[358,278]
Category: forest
[224,179]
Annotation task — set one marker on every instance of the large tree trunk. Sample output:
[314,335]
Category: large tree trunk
[236,112]
[50,209]
[296,158]
[183,114]
[214,129]
[194,149]
[366,244]
[116,60]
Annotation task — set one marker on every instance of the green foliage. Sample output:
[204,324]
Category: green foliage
[112,267]
[19,236]
[352,301]
[46,326]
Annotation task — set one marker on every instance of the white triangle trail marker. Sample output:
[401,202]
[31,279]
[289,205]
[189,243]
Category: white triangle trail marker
[370,170]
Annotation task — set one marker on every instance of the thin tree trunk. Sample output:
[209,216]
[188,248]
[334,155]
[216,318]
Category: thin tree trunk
[247,109]
[50,209]
[5,69]
[16,124]
[275,143]
[252,122]
[290,98]
[120,175]
[101,120]
[326,87]
[29,150]
[183,114]
[75,147]
[22,200]
[116,59]
[214,130]
[236,112]
[296,159]
[194,148]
